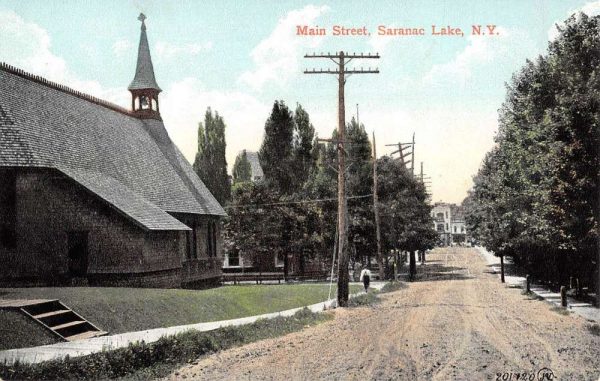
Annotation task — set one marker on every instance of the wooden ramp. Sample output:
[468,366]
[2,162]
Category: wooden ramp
[56,317]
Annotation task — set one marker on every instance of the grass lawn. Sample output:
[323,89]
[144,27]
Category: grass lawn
[141,361]
[19,331]
[118,310]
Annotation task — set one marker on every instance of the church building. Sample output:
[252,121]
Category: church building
[95,194]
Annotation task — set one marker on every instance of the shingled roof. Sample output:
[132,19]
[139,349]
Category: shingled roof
[124,200]
[128,162]
[257,171]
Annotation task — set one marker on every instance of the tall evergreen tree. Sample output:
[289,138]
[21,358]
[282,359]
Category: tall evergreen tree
[276,153]
[210,163]
[304,156]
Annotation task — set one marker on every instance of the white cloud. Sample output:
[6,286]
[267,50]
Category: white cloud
[379,43]
[184,103]
[27,46]
[479,50]
[277,57]
[121,46]
[590,9]
[167,51]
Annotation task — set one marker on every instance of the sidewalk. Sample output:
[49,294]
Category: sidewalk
[585,310]
[85,347]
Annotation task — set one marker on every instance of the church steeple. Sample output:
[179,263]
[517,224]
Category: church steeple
[144,90]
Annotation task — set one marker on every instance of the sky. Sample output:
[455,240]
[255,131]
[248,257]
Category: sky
[239,57]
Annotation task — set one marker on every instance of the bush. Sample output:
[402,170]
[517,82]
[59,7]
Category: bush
[560,310]
[393,286]
[368,299]
[158,359]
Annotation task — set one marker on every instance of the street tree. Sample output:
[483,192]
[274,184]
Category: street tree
[535,195]
[406,224]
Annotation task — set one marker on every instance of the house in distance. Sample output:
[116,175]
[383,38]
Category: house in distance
[449,222]
[257,173]
[95,194]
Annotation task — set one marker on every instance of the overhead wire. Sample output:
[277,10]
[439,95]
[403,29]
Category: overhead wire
[296,202]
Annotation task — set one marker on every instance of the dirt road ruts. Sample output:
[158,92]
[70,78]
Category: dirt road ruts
[457,322]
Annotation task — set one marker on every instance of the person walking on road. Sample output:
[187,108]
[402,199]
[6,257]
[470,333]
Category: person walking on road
[365,277]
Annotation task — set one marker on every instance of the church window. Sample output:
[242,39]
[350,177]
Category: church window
[191,238]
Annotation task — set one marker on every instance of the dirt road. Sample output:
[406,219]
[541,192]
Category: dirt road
[457,322]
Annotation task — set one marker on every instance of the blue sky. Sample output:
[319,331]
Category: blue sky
[238,57]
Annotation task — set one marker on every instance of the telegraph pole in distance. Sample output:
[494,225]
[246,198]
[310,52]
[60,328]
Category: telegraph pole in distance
[412,164]
[376,211]
[402,155]
[425,180]
[341,59]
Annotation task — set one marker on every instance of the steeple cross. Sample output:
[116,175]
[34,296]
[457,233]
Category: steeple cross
[142,17]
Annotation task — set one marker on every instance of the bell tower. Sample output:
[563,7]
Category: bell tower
[143,88]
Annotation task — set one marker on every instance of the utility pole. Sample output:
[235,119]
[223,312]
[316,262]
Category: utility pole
[412,164]
[421,176]
[426,181]
[413,264]
[376,211]
[341,59]
[401,148]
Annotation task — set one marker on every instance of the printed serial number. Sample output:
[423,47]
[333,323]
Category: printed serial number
[544,374]
[509,376]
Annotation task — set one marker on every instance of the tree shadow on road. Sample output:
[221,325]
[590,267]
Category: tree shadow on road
[510,269]
[436,271]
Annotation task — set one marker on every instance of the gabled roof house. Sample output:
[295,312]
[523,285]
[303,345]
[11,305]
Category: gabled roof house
[92,193]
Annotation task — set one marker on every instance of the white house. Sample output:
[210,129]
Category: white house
[449,222]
